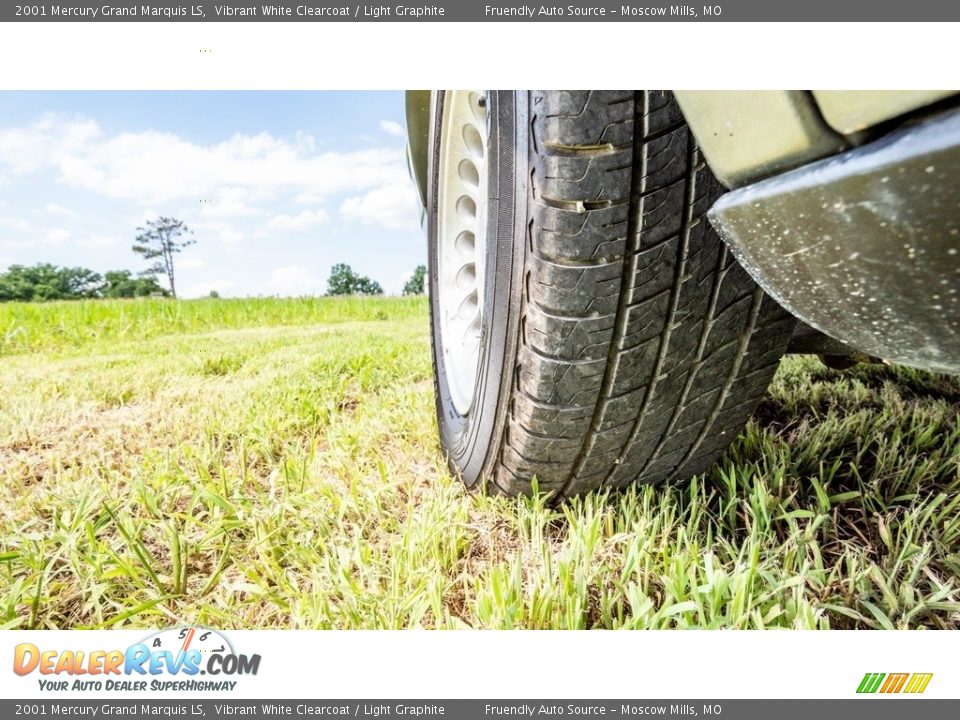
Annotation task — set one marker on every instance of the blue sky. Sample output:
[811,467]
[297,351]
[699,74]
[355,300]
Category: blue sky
[277,186]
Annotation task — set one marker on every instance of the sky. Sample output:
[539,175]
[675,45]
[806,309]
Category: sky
[276,186]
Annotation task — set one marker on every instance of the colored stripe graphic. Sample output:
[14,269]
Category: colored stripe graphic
[918,682]
[893,683]
[870,682]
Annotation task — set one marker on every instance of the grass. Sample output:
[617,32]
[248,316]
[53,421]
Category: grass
[274,463]
[56,326]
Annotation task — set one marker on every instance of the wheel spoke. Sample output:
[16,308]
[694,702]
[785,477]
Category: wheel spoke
[461,232]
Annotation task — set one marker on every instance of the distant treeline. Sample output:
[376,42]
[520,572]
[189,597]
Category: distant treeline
[51,282]
[45,281]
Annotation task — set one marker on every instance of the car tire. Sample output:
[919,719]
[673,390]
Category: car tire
[611,338]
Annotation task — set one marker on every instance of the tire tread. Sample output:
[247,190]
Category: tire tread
[644,345]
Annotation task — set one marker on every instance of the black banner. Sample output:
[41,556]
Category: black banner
[480,11]
[874,708]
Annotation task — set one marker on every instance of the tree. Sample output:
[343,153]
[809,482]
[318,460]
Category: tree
[50,282]
[160,240]
[344,281]
[366,286]
[45,281]
[415,284]
[122,284]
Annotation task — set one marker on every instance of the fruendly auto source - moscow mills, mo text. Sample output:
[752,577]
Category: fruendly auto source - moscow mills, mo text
[536,12]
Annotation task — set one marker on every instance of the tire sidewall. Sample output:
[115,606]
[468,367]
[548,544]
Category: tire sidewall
[471,441]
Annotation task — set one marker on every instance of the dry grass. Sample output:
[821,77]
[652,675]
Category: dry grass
[286,474]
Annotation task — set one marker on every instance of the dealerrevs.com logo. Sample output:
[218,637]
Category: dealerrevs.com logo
[169,660]
[893,683]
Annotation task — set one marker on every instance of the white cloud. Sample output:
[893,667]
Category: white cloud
[45,142]
[201,289]
[59,237]
[294,280]
[391,127]
[16,232]
[55,209]
[308,198]
[14,222]
[141,218]
[223,231]
[190,263]
[5,262]
[98,241]
[56,236]
[393,206]
[301,221]
[155,167]
[229,203]
[230,237]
